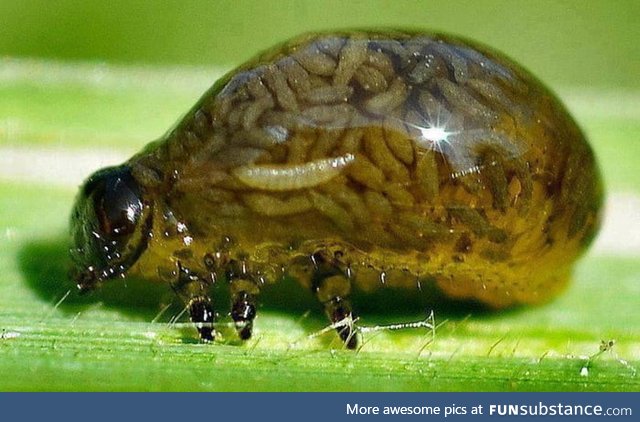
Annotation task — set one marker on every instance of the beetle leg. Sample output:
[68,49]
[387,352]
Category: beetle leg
[201,313]
[244,291]
[332,288]
[193,291]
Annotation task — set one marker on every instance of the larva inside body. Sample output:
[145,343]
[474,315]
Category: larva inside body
[290,177]
[369,159]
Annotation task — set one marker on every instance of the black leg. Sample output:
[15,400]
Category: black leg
[332,288]
[244,291]
[194,292]
[201,312]
[243,311]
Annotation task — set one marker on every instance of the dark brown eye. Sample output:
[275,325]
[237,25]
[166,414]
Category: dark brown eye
[110,226]
[117,203]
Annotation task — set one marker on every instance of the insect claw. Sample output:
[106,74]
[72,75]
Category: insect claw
[243,311]
[245,330]
[206,334]
[201,313]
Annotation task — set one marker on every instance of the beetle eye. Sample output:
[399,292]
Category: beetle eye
[117,204]
[110,225]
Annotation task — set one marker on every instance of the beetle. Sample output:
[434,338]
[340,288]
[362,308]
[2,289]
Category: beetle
[349,160]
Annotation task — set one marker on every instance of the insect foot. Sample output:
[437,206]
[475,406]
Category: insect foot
[243,312]
[332,288]
[201,313]
[193,291]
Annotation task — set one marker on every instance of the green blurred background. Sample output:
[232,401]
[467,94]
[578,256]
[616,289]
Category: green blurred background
[589,42]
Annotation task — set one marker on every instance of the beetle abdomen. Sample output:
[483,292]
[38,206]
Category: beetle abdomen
[403,155]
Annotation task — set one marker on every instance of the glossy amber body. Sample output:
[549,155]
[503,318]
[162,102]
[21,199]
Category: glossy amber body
[406,158]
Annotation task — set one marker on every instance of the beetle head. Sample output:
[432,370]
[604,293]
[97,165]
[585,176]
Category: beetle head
[110,226]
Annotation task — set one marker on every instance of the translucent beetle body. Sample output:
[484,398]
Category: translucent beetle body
[353,159]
